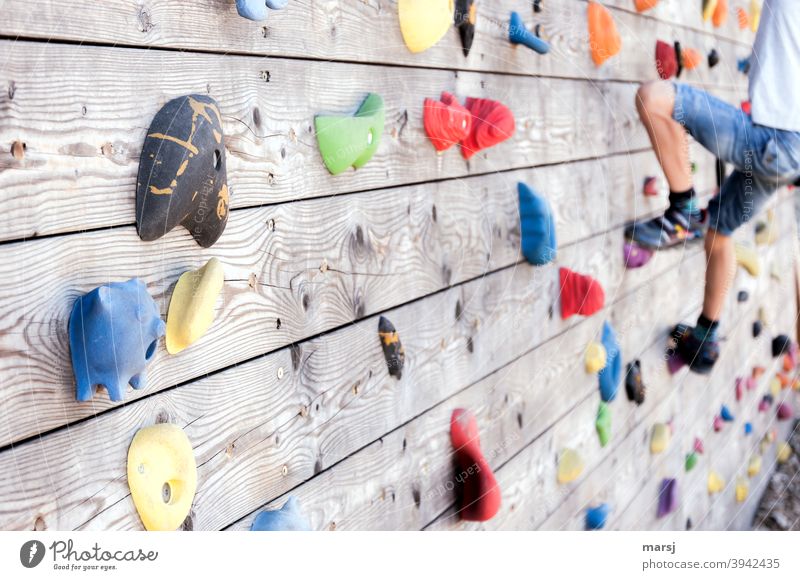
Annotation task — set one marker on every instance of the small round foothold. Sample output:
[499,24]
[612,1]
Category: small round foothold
[285,470]
[280,372]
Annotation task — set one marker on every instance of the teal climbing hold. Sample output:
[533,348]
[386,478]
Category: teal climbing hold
[537,227]
[611,374]
[518,34]
[346,142]
[596,517]
[603,424]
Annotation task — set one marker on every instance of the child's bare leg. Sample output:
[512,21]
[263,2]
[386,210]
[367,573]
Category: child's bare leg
[720,270]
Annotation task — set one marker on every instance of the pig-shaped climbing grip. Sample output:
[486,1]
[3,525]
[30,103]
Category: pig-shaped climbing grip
[258,9]
[113,334]
[182,174]
[477,490]
[393,350]
[350,141]
[290,518]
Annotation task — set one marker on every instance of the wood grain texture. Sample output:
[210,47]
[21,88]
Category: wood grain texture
[292,270]
[356,31]
[82,113]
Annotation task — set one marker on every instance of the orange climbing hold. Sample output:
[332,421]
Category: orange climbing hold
[645,5]
[604,40]
[691,59]
[744,19]
[720,13]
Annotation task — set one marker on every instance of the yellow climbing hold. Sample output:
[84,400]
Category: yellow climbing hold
[784,452]
[754,466]
[595,357]
[742,489]
[570,466]
[747,258]
[191,309]
[766,231]
[424,22]
[755,14]
[709,6]
[659,439]
[715,483]
[162,476]
[775,386]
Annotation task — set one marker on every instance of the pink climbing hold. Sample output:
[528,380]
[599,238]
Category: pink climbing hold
[492,123]
[739,388]
[718,424]
[698,445]
[746,107]
[785,412]
[750,383]
[635,255]
[650,187]
[446,121]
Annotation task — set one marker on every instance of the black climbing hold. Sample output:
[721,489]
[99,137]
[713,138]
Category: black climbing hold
[182,176]
[758,326]
[713,58]
[537,6]
[678,59]
[634,385]
[742,296]
[393,350]
[781,345]
[689,525]
[465,17]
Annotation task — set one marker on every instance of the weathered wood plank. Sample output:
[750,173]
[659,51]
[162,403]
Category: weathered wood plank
[322,409]
[353,31]
[325,263]
[82,113]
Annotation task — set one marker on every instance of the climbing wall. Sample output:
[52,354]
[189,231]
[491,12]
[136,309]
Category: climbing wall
[288,393]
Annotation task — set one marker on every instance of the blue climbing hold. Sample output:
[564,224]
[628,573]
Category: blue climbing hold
[596,517]
[726,414]
[611,374]
[518,34]
[748,428]
[743,65]
[257,9]
[287,519]
[113,334]
[537,227]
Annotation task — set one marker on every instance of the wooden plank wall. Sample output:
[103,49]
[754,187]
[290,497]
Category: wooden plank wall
[288,392]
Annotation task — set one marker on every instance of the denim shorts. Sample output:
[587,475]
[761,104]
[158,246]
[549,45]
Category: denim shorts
[763,158]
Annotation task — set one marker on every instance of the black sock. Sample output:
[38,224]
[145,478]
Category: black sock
[683,201]
[706,328]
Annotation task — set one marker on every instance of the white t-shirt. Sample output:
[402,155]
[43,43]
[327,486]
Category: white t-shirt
[775,66]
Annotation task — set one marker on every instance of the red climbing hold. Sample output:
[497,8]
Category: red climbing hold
[492,123]
[477,489]
[746,108]
[580,294]
[785,412]
[446,121]
[666,61]
[650,186]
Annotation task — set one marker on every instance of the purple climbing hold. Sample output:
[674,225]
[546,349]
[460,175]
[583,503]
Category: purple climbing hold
[765,403]
[635,256]
[113,334]
[785,411]
[667,497]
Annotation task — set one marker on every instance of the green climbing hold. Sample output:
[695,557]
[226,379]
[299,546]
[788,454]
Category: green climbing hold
[603,424]
[691,461]
[346,142]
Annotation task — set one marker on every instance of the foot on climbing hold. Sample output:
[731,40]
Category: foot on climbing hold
[675,227]
[346,142]
[709,6]
[446,121]
[698,445]
[666,60]
[784,452]
[690,461]
[645,5]
[785,412]
[162,476]
[183,155]
[537,227]
[699,354]
[781,344]
[492,123]
[113,334]
[570,466]
[635,256]
[477,490]
[603,424]
[713,58]
[518,34]
[604,40]
[465,18]
[650,187]
[634,384]
[257,9]
[747,258]
[191,308]
[718,424]
[423,23]
[659,438]
[754,466]
[596,517]
[289,518]
[580,294]
[393,350]
[725,414]
[765,403]
[595,358]
[742,489]
[748,428]
[715,483]
[667,497]
[609,377]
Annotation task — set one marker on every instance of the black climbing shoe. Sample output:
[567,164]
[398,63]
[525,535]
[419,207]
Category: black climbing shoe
[673,228]
[699,354]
